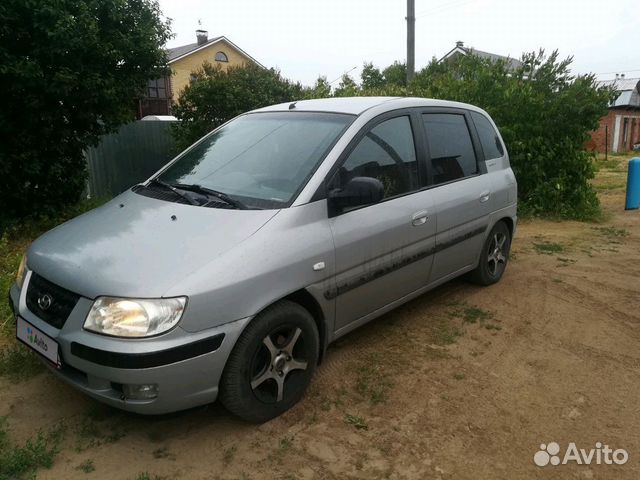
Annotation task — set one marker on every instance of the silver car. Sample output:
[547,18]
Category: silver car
[228,273]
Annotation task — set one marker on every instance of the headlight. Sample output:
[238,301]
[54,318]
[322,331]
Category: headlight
[122,317]
[22,269]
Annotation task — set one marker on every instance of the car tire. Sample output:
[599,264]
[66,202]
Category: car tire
[494,256]
[271,364]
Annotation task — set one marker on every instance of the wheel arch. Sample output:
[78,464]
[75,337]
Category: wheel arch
[509,222]
[307,301]
[303,298]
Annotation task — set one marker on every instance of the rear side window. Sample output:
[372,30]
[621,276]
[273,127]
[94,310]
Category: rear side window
[450,146]
[491,144]
[386,152]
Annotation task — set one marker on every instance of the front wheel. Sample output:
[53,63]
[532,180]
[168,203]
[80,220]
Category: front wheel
[494,256]
[271,364]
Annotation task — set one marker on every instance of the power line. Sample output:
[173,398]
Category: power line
[618,71]
[345,73]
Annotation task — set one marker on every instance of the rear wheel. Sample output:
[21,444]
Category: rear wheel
[494,256]
[271,364]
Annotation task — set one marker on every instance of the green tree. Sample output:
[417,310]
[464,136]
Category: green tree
[347,87]
[321,89]
[70,71]
[371,77]
[216,95]
[395,74]
[545,115]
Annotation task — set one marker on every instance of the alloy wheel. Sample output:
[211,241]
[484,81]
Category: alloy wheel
[496,254]
[280,355]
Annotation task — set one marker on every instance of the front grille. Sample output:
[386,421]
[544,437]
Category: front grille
[49,302]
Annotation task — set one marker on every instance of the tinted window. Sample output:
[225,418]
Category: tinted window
[261,158]
[491,145]
[386,152]
[450,147]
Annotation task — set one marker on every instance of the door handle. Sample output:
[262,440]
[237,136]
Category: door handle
[419,218]
[484,196]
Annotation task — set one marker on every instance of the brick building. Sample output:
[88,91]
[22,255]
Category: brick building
[619,130]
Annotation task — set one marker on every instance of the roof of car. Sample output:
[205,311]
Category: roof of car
[357,105]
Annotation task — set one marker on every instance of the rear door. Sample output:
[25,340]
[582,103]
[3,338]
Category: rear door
[462,193]
[383,251]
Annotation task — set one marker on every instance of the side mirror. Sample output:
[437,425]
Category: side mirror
[357,192]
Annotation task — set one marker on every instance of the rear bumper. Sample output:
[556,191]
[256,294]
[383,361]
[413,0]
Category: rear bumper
[186,367]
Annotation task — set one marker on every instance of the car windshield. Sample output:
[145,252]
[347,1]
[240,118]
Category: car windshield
[260,159]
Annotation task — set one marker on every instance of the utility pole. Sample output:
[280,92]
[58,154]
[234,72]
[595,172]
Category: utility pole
[411,39]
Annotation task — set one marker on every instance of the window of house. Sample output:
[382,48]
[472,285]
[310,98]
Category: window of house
[491,145]
[386,152]
[157,88]
[221,57]
[450,146]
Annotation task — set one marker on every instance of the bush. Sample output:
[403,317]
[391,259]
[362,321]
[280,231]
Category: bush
[217,95]
[545,116]
[70,71]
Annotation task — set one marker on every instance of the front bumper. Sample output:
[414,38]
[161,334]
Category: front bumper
[185,366]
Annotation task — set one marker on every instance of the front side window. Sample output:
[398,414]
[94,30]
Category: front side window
[260,159]
[386,152]
[491,144]
[450,147]
[221,57]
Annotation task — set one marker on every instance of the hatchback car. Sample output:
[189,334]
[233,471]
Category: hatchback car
[228,273]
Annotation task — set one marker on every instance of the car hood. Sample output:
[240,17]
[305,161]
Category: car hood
[135,246]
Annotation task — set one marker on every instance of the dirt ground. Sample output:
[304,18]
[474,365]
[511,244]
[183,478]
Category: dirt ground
[462,383]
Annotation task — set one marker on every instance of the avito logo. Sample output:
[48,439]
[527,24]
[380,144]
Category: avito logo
[33,338]
[549,454]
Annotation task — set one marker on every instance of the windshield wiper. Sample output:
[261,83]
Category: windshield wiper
[174,190]
[214,193]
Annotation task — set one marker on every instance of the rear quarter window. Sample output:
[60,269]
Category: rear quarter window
[491,144]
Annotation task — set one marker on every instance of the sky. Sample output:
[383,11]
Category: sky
[308,38]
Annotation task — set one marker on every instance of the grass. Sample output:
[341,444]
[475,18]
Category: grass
[609,186]
[548,248]
[358,422]
[92,432]
[22,461]
[611,232]
[286,443]
[493,326]
[87,466]
[147,476]
[475,314]
[445,332]
[228,454]
[18,363]
[163,453]
[373,380]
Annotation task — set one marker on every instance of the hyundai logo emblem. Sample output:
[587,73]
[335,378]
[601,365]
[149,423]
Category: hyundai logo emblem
[45,301]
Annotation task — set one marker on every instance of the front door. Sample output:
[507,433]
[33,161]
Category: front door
[383,251]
